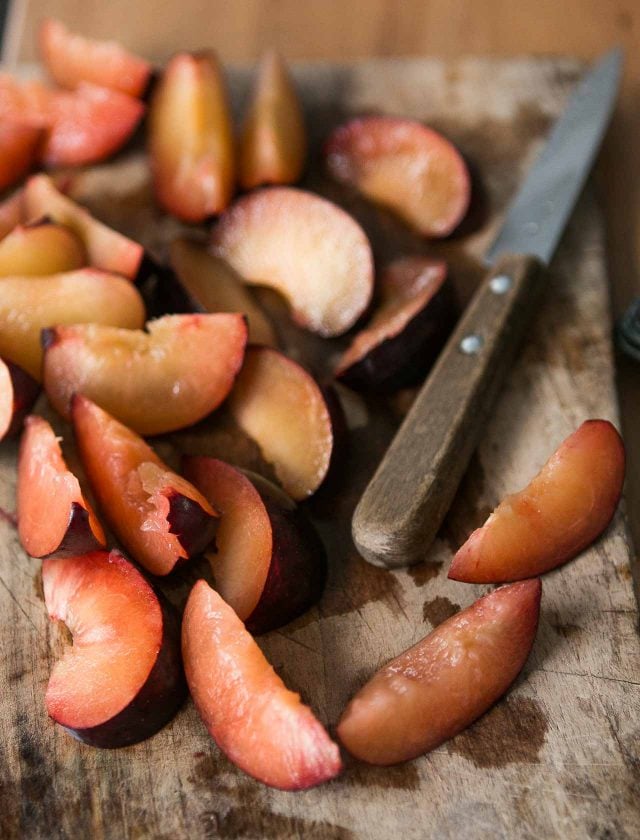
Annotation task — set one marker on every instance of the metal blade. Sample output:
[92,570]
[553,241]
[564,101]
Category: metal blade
[538,215]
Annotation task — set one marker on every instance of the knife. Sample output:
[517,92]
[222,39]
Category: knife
[406,500]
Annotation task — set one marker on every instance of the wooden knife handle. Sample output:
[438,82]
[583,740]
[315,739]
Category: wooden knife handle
[406,500]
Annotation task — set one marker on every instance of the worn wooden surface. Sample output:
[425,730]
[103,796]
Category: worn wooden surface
[560,757]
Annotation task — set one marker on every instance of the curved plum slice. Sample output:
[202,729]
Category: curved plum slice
[11,212]
[406,166]
[72,59]
[30,304]
[278,404]
[160,518]
[407,331]
[19,151]
[269,564]
[70,527]
[273,142]
[191,144]
[18,392]
[306,248]
[204,283]
[40,248]
[156,381]
[259,724]
[106,248]
[558,514]
[122,679]
[82,126]
[441,685]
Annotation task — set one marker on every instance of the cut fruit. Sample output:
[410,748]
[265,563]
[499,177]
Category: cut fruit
[122,680]
[18,392]
[191,141]
[157,381]
[273,144]
[441,685]
[407,331]
[160,518]
[564,509]
[304,247]
[11,212]
[278,404]
[72,59]
[201,282]
[82,127]
[106,248]
[29,304]
[269,564]
[259,724]
[406,166]
[40,248]
[19,151]
[45,483]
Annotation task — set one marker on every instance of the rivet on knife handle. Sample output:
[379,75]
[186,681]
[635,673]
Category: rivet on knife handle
[412,489]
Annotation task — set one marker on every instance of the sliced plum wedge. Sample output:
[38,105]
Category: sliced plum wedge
[269,564]
[122,680]
[558,514]
[18,392]
[19,150]
[54,518]
[259,724]
[41,248]
[167,377]
[442,684]
[160,518]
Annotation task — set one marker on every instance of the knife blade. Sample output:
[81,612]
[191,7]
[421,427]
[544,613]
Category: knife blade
[405,502]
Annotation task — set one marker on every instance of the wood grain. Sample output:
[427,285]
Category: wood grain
[560,756]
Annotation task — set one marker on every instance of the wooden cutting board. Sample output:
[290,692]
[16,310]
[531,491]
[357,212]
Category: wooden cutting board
[560,756]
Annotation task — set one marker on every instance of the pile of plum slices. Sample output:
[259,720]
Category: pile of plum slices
[74,309]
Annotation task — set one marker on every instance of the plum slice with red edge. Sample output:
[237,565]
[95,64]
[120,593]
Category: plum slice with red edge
[191,144]
[106,248]
[19,150]
[269,564]
[72,59]
[83,126]
[405,166]
[45,483]
[160,518]
[165,378]
[18,392]
[558,514]
[259,724]
[446,681]
[280,405]
[304,247]
[122,680]
[412,323]
[41,248]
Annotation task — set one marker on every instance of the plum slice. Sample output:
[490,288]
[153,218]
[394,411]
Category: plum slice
[122,680]
[442,684]
[273,143]
[29,304]
[72,59]
[259,724]
[19,150]
[406,166]
[18,392]
[106,248]
[160,518]
[41,248]
[558,514]
[269,564]
[278,404]
[69,527]
[168,377]
[191,143]
[11,212]
[407,331]
[306,248]
[82,126]
[204,283]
